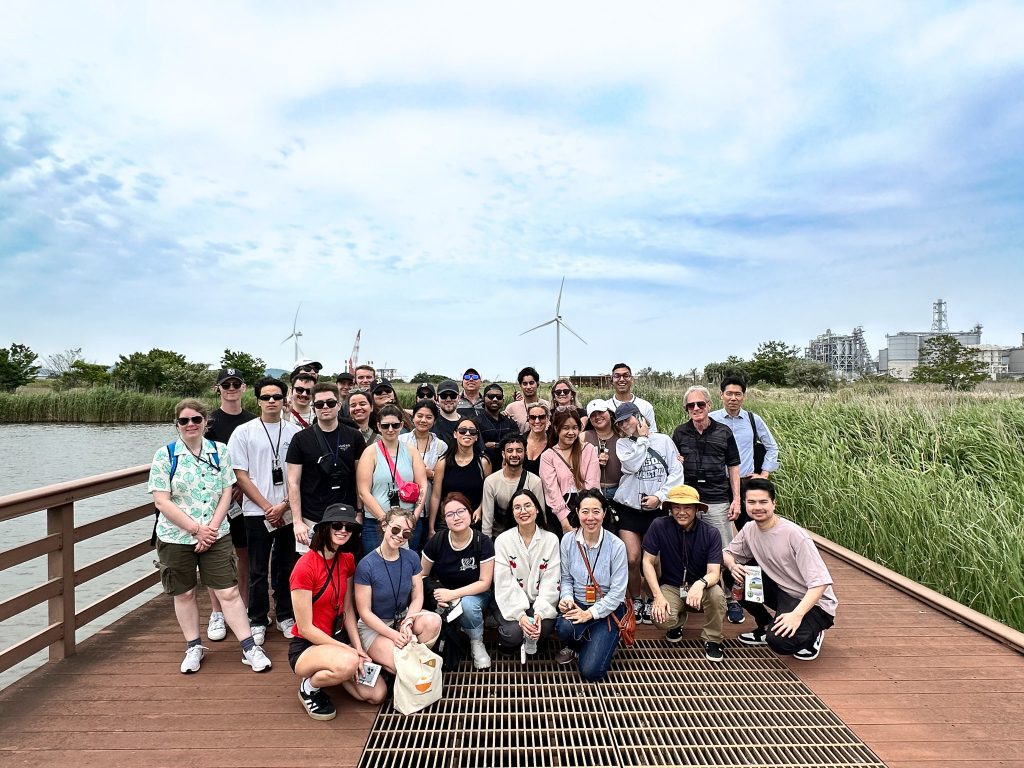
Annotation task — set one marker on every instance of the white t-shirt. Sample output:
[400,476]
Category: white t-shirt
[253,451]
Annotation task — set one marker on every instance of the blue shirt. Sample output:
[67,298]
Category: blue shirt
[740,426]
[608,562]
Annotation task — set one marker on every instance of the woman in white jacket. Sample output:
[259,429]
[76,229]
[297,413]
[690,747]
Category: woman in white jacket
[650,469]
[526,573]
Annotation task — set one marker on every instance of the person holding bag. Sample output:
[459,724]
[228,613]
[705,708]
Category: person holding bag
[567,467]
[325,649]
[594,574]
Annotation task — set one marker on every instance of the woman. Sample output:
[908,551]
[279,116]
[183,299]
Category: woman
[428,445]
[567,467]
[526,573]
[594,573]
[322,586]
[462,470]
[600,433]
[361,411]
[191,480]
[384,394]
[538,433]
[563,398]
[462,563]
[389,596]
[650,469]
[383,475]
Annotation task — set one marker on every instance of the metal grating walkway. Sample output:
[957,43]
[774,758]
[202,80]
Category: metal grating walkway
[662,705]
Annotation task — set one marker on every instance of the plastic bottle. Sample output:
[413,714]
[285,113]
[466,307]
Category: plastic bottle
[529,643]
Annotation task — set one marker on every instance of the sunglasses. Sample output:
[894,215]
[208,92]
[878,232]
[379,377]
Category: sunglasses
[231,384]
[345,526]
[448,396]
[537,416]
[383,392]
[390,425]
[183,420]
[560,392]
[424,395]
[325,403]
[405,533]
[495,396]
[471,377]
[302,390]
[468,431]
[265,398]
[696,405]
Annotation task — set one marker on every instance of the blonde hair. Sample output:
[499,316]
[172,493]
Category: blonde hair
[396,512]
[196,405]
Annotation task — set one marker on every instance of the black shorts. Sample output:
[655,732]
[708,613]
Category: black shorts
[296,648]
[637,521]
[238,537]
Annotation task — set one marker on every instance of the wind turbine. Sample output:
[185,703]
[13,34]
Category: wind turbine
[559,323]
[296,333]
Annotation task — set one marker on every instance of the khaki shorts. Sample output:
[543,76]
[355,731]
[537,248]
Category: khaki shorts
[178,564]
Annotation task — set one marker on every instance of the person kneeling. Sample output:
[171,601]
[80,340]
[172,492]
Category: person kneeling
[690,553]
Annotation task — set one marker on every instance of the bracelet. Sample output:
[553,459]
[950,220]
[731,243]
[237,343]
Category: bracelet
[706,585]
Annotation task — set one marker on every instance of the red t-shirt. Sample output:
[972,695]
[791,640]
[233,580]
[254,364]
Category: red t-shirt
[310,573]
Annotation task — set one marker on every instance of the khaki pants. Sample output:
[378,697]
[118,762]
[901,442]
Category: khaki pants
[713,607]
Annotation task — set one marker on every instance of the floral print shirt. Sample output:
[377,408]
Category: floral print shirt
[196,487]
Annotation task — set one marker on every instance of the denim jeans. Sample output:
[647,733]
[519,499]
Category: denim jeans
[271,558]
[595,642]
[472,618]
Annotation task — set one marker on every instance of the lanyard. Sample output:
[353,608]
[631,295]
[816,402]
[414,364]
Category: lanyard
[275,448]
[590,566]
[401,576]
[683,537]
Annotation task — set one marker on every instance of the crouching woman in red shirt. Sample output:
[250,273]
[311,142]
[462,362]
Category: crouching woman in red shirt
[321,586]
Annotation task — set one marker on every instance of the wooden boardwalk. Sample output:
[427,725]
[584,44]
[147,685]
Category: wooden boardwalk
[921,689]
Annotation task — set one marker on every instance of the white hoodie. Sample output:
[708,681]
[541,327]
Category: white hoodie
[643,472]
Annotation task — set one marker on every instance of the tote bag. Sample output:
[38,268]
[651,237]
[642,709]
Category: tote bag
[418,678]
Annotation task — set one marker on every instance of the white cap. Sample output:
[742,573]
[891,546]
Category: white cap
[598,405]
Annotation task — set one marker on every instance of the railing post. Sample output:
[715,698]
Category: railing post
[61,565]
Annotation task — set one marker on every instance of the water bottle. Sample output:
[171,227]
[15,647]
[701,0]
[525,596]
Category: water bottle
[529,644]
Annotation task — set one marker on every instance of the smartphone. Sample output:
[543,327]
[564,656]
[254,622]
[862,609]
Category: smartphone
[370,674]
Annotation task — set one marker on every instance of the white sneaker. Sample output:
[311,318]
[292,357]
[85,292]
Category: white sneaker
[286,628]
[480,658]
[259,634]
[256,659]
[193,658]
[216,630]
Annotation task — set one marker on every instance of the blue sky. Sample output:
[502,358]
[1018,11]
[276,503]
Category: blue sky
[705,177]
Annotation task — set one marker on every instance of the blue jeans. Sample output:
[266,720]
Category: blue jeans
[472,618]
[595,642]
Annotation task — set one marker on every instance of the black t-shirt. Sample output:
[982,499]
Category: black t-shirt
[492,431]
[456,569]
[445,430]
[706,458]
[220,425]
[318,489]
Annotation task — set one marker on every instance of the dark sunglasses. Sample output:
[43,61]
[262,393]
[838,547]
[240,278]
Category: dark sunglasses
[696,405]
[302,390]
[448,396]
[495,396]
[183,420]
[325,403]
[471,377]
[384,392]
[231,384]
[390,425]
[424,395]
[561,392]
[265,398]
[468,431]
[537,416]
[344,526]
[405,533]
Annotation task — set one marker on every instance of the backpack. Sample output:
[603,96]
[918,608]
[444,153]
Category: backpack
[759,448]
[214,457]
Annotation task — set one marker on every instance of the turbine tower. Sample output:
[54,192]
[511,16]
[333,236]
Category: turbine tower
[296,333]
[559,323]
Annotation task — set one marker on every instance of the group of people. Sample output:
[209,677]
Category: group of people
[370,522]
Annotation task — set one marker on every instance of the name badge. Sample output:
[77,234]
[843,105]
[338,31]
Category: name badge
[590,593]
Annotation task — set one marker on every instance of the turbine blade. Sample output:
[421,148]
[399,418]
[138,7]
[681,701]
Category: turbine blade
[570,330]
[295,322]
[287,338]
[558,304]
[549,322]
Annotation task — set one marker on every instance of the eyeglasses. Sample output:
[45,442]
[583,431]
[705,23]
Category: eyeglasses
[390,425]
[621,376]
[537,416]
[325,403]
[231,384]
[471,377]
[183,420]
[453,513]
[344,526]
[265,398]
[696,405]
[524,507]
[560,392]
[468,431]
[495,396]
[302,390]
[405,533]
[447,396]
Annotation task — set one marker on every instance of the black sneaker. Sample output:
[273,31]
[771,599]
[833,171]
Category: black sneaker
[810,654]
[734,612]
[318,704]
[674,635]
[713,652]
[645,616]
[758,637]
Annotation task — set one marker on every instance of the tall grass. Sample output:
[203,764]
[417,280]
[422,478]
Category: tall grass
[101,405]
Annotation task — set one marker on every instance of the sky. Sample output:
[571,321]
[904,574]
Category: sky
[705,176]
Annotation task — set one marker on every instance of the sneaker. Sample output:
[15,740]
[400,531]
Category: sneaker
[256,659]
[286,628]
[674,635]
[713,652]
[804,654]
[216,630]
[565,656]
[758,637]
[645,616]
[734,612]
[638,609]
[193,658]
[318,704]
[259,634]
[479,653]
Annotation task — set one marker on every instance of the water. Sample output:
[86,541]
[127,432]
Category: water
[34,455]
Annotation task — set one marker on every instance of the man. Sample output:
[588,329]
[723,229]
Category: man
[345,382]
[795,581]
[258,449]
[529,381]
[470,402]
[322,465]
[689,552]
[711,463]
[494,426]
[299,410]
[219,426]
[622,383]
[500,487]
[305,365]
[365,376]
[448,420]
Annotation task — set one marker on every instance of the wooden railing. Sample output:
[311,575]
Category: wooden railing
[58,545]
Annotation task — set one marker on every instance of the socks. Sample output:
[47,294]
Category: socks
[307,686]
[248,644]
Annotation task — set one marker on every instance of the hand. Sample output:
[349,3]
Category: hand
[401,639]
[236,494]
[643,429]
[659,609]
[476,515]
[529,628]
[275,515]
[518,396]
[602,458]
[734,509]
[302,532]
[738,572]
[364,659]
[786,624]
[566,605]
[577,616]
[445,595]
[430,475]
[651,502]
[695,595]
[207,536]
